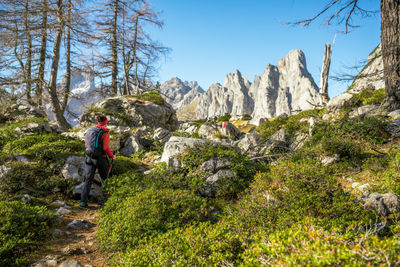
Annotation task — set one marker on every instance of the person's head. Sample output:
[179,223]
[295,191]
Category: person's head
[101,119]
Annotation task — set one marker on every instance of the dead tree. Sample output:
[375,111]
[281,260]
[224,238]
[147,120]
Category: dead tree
[325,73]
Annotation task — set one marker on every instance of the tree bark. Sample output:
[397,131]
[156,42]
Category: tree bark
[68,63]
[135,54]
[42,60]
[114,52]
[325,73]
[390,38]
[28,64]
[55,103]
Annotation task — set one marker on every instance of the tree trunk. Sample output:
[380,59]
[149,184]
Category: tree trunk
[390,38]
[28,64]
[68,56]
[114,52]
[135,54]
[325,73]
[42,63]
[55,103]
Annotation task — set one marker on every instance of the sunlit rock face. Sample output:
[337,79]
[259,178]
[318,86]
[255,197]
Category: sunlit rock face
[83,95]
[371,76]
[282,89]
[180,93]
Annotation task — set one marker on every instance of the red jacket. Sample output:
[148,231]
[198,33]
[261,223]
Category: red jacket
[106,141]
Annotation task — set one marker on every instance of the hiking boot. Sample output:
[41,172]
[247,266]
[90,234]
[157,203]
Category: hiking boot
[83,205]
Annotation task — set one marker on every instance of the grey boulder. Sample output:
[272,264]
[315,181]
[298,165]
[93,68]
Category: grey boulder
[74,168]
[131,146]
[383,204]
[177,146]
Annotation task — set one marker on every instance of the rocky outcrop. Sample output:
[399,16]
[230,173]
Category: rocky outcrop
[132,112]
[232,98]
[177,146]
[371,75]
[282,89]
[180,93]
[217,173]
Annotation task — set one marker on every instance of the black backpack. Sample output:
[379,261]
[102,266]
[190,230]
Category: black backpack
[94,142]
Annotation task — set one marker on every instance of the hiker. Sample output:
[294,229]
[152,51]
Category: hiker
[97,140]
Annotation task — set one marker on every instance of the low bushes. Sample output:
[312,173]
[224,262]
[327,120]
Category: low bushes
[21,227]
[124,222]
[290,191]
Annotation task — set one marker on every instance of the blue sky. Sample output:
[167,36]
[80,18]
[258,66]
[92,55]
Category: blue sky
[212,38]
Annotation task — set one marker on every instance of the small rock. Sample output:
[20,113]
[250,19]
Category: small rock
[162,135]
[62,211]
[57,233]
[48,261]
[80,224]
[395,114]
[26,198]
[354,185]
[70,263]
[330,160]
[22,159]
[73,251]
[131,146]
[364,188]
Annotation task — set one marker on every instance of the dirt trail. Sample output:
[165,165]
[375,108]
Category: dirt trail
[80,245]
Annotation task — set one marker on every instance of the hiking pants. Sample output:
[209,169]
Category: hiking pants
[91,165]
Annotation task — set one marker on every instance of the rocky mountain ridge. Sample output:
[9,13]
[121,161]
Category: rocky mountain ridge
[281,89]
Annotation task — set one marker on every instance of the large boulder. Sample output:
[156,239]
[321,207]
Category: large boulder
[131,146]
[339,101]
[132,112]
[74,168]
[249,142]
[208,130]
[177,146]
[217,174]
[277,140]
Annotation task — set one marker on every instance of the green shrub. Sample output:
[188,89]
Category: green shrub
[306,244]
[246,117]
[124,165]
[7,131]
[124,222]
[290,191]
[45,147]
[153,96]
[372,129]
[24,177]
[21,227]
[225,117]
[201,245]
[344,147]
[242,166]
[368,96]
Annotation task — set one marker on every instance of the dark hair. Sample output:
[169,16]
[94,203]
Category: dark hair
[101,118]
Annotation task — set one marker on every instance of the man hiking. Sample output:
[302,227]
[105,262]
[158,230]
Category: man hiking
[97,140]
